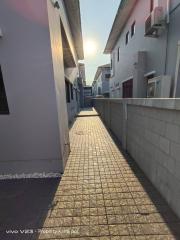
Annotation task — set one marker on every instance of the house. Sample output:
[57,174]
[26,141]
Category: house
[40,45]
[145,49]
[94,88]
[82,73]
[88,96]
[102,80]
[81,84]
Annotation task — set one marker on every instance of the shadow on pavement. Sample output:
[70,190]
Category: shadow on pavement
[24,205]
[159,205]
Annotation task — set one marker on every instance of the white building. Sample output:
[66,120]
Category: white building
[82,73]
[40,45]
[81,83]
[101,81]
[87,96]
[144,44]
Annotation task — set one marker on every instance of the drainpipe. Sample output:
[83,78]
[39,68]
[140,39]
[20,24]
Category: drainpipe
[125,118]
[177,71]
[168,12]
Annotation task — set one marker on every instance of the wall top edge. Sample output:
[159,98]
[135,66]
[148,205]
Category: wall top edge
[163,103]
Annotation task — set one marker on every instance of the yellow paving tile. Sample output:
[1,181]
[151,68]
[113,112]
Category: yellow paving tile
[104,195]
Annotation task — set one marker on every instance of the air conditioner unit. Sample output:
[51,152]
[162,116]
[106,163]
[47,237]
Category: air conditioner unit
[154,22]
[159,87]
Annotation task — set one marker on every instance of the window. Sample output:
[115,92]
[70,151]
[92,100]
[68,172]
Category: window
[4,109]
[133,29]
[127,38]
[151,5]
[72,92]
[67,92]
[118,54]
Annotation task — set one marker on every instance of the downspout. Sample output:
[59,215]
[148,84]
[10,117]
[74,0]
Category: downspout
[177,71]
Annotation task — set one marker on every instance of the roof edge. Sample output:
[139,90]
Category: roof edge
[99,70]
[75,25]
[122,15]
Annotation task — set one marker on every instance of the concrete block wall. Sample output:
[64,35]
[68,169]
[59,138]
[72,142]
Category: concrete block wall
[116,119]
[149,130]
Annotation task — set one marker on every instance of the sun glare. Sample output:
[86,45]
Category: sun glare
[90,48]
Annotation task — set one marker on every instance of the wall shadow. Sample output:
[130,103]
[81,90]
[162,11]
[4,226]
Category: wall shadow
[161,206]
[24,205]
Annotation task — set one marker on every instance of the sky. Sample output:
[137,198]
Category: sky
[97,17]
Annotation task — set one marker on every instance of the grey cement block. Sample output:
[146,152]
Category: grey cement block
[173,132]
[175,151]
[157,126]
[177,169]
[152,137]
[164,144]
[153,140]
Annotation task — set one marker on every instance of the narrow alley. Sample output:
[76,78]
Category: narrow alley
[103,195]
[89,120]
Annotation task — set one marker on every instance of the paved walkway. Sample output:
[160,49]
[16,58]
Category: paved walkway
[88,112]
[104,195]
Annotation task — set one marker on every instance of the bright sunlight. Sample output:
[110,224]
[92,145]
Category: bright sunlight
[90,47]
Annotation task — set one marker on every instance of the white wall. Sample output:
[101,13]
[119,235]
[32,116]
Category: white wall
[102,82]
[67,28]
[58,72]
[105,81]
[71,73]
[34,137]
